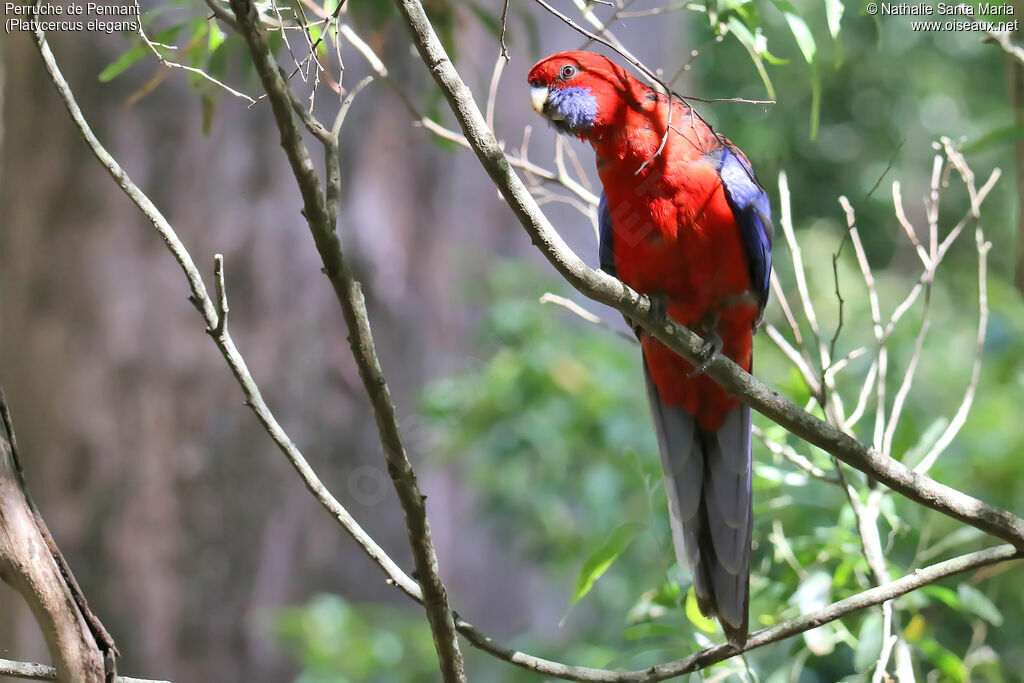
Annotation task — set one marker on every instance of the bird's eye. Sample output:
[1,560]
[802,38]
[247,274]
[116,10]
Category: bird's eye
[567,72]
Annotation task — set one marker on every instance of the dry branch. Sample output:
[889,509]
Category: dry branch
[41,672]
[31,564]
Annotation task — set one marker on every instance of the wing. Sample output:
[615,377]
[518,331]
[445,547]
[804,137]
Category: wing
[752,210]
[606,239]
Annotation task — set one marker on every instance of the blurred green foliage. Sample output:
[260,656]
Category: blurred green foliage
[339,642]
[550,430]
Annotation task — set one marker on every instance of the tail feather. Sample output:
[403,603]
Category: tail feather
[708,482]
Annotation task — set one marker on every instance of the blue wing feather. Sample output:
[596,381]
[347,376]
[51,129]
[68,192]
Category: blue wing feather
[752,211]
[606,239]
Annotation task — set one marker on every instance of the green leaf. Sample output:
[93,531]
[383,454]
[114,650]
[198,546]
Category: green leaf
[755,47]
[693,613]
[216,37]
[947,662]
[815,101]
[833,15]
[799,28]
[869,642]
[813,594]
[598,563]
[121,64]
[944,595]
[1000,137]
[978,603]
[206,105]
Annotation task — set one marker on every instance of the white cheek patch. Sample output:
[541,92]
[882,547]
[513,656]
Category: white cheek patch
[538,98]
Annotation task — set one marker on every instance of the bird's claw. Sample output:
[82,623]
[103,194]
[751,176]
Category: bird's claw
[659,307]
[708,352]
[658,312]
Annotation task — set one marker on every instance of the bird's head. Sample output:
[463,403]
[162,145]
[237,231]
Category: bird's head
[579,92]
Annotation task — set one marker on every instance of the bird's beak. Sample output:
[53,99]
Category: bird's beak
[538,98]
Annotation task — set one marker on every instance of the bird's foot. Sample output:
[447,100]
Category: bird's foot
[709,351]
[659,312]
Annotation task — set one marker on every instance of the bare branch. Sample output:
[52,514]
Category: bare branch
[42,672]
[901,216]
[790,454]
[492,89]
[29,564]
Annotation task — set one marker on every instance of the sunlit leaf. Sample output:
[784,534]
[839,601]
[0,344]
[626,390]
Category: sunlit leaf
[693,613]
[598,563]
[948,662]
[121,64]
[833,15]
[797,25]
[216,37]
[914,629]
[1000,137]
[943,595]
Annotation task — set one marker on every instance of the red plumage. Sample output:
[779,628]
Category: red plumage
[683,220]
[675,233]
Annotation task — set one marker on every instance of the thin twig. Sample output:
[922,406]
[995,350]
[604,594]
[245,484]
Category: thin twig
[576,309]
[965,405]
[786,222]
[492,89]
[191,69]
[789,453]
[504,27]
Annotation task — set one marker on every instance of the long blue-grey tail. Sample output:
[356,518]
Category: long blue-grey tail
[708,482]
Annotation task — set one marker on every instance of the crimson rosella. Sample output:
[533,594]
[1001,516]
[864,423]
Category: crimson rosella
[691,226]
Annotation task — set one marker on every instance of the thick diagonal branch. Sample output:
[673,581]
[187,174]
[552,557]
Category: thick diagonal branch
[28,565]
[607,290]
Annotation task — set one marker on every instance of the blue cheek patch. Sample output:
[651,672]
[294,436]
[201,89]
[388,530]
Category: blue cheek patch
[576,105]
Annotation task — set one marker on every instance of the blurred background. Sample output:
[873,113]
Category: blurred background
[202,552]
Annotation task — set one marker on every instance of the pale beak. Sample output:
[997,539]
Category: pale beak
[538,98]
